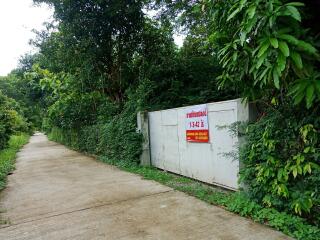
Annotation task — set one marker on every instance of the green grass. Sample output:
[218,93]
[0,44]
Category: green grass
[236,202]
[8,155]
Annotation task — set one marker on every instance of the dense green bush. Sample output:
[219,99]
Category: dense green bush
[10,120]
[68,137]
[27,94]
[282,161]
[5,127]
[75,109]
[116,139]
[89,138]
[119,139]
[268,48]
[7,156]
[5,130]
[18,122]
[293,226]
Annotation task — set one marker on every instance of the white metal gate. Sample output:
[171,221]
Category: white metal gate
[215,162]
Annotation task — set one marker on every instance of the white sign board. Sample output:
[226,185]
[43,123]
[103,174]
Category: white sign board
[197,128]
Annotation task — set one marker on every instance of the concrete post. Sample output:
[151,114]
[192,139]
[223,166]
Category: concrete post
[143,127]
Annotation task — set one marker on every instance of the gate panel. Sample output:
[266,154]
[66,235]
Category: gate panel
[215,162]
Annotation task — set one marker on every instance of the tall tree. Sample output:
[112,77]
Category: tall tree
[97,39]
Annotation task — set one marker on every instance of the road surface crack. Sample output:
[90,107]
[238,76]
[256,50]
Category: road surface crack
[86,208]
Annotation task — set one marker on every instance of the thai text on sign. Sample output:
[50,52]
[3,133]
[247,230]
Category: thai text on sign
[197,129]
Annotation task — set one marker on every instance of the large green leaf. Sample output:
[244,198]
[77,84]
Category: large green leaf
[263,75]
[296,4]
[250,24]
[299,86]
[243,36]
[242,3]
[283,46]
[297,59]
[281,62]
[276,78]
[298,98]
[263,48]
[307,47]
[274,42]
[233,14]
[293,12]
[261,59]
[251,11]
[289,38]
[298,91]
[310,95]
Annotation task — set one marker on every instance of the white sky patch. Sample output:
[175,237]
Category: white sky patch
[178,38]
[17,19]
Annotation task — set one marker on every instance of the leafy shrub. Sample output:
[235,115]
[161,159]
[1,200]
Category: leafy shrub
[74,110]
[68,137]
[5,126]
[116,139]
[11,122]
[89,138]
[5,129]
[281,159]
[18,123]
[291,225]
[7,156]
[119,139]
[274,51]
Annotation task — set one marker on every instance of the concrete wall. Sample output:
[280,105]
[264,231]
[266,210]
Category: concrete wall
[143,128]
[215,162]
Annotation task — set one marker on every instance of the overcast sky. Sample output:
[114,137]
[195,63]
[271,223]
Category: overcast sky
[17,19]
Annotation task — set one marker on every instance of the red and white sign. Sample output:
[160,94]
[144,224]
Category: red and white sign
[197,129]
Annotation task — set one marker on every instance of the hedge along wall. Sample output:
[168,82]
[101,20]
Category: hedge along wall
[116,141]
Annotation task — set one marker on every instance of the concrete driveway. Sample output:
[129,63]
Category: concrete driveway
[58,194]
